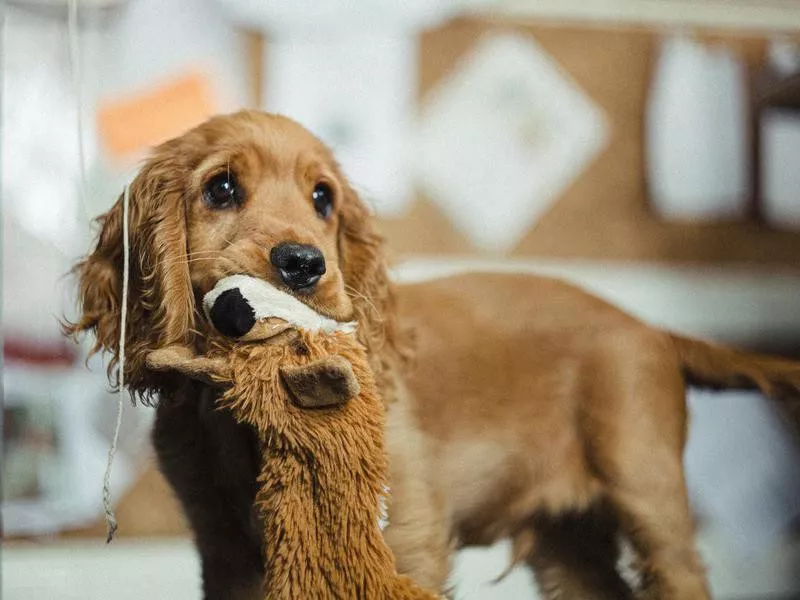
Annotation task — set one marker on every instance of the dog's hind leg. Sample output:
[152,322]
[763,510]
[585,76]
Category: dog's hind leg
[574,557]
[660,529]
[638,456]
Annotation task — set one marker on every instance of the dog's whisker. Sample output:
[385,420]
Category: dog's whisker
[193,255]
[219,236]
[203,252]
[357,294]
[189,260]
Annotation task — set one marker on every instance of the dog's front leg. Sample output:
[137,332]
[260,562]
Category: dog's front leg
[211,462]
[418,531]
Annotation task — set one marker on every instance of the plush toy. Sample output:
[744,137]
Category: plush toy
[303,382]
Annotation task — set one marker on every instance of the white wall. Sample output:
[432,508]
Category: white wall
[736,14]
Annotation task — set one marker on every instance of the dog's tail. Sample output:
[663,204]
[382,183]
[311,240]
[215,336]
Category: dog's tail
[711,365]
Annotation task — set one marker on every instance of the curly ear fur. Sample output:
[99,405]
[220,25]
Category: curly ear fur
[365,273]
[161,309]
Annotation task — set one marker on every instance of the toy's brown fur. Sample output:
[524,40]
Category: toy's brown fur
[323,470]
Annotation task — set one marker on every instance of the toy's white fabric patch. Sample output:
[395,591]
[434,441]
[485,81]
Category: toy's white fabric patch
[268,301]
[383,508]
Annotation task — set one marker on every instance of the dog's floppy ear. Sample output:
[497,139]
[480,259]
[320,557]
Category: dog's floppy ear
[160,300]
[365,271]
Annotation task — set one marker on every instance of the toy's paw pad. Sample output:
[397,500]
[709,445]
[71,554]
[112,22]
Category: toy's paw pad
[321,384]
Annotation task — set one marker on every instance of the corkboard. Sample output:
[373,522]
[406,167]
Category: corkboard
[604,214]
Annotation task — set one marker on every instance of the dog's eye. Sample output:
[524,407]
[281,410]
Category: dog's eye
[222,191]
[323,199]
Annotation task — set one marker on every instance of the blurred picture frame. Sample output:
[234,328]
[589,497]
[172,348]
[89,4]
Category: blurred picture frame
[53,451]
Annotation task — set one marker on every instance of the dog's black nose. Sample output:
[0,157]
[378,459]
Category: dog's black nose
[299,265]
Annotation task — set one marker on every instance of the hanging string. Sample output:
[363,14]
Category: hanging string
[73,32]
[75,68]
[111,520]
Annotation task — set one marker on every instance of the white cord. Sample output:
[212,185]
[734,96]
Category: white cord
[75,67]
[73,32]
[111,520]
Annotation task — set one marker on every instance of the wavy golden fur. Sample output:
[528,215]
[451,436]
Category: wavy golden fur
[160,304]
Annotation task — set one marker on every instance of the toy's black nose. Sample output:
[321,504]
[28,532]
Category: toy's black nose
[232,314]
[299,265]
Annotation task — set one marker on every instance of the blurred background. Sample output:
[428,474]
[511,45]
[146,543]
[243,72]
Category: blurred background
[648,150]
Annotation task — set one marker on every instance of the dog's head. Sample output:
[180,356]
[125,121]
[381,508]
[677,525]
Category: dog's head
[249,193]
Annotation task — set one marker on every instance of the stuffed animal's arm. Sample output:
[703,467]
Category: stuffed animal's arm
[184,360]
[322,383]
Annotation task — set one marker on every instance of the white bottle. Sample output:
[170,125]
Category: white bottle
[780,168]
[780,147]
[697,134]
